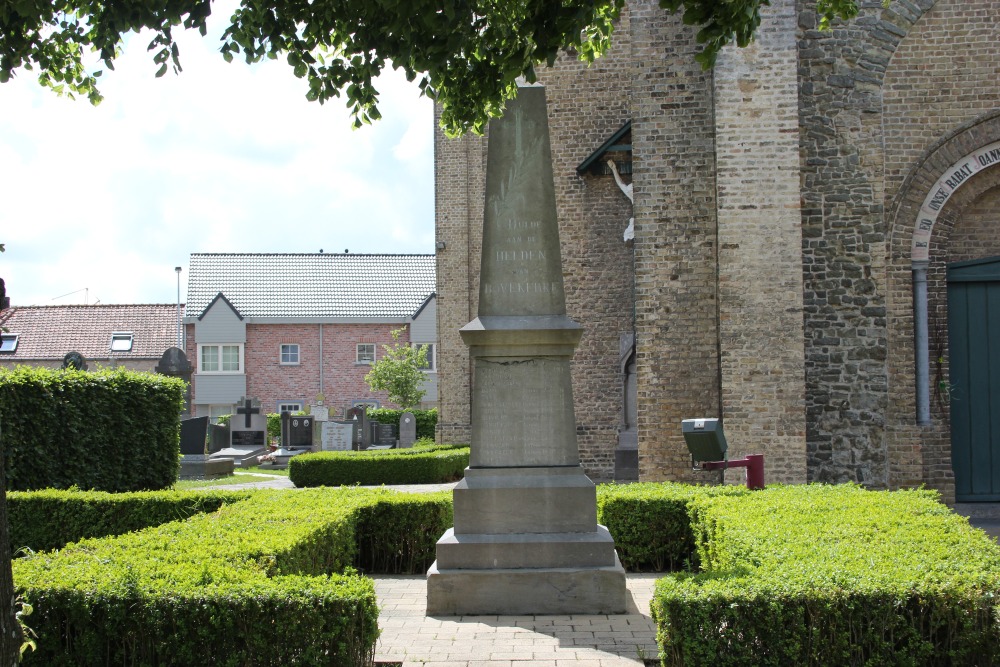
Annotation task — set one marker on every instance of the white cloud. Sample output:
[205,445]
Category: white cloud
[222,158]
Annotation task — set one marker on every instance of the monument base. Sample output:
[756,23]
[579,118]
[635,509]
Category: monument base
[569,590]
[242,457]
[194,466]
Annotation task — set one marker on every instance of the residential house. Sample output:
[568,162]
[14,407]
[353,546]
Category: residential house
[131,335]
[298,330]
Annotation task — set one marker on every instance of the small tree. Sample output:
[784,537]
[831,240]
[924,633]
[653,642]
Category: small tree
[399,372]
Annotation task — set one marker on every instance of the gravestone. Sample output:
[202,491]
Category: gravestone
[525,538]
[337,436]
[362,438]
[296,431]
[194,433]
[74,361]
[407,430]
[195,463]
[174,363]
[627,449]
[247,434]
[320,413]
[383,435]
[218,437]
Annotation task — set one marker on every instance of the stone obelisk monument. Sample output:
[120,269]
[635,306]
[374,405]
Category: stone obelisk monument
[526,538]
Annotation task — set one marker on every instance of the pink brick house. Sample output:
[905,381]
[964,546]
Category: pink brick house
[295,330]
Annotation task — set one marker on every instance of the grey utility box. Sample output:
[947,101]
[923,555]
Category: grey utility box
[705,439]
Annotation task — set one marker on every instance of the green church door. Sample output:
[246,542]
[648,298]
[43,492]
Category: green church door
[974,344]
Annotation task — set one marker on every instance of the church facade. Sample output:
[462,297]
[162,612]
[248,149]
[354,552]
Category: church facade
[802,241]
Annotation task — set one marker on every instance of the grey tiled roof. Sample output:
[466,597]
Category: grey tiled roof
[49,332]
[311,285]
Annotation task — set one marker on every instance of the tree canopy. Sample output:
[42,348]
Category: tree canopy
[466,54]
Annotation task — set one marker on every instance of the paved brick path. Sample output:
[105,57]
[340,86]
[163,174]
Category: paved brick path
[411,638]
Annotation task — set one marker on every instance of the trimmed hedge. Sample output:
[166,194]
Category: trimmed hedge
[255,583]
[399,533]
[51,519]
[419,465]
[109,430]
[650,522]
[426,419]
[832,575]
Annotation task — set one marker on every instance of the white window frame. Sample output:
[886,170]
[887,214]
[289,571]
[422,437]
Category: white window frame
[8,343]
[431,356]
[123,340]
[218,366]
[357,354]
[283,353]
[216,411]
[298,405]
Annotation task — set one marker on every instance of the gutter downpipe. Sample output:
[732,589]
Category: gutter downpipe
[921,342]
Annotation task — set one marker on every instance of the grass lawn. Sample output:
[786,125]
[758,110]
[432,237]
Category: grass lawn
[241,476]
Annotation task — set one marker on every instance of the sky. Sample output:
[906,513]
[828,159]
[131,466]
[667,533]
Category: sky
[100,204]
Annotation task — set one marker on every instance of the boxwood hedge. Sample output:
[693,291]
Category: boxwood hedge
[418,465]
[50,519]
[426,419]
[264,581]
[109,430]
[831,575]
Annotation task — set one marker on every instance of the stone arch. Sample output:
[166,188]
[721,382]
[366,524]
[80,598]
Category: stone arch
[920,219]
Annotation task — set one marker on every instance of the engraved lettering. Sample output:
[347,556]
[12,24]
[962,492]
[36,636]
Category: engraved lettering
[990,157]
[959,176]
[926,224]
[940,197]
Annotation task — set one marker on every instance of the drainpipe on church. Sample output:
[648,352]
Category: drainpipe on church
[920,342]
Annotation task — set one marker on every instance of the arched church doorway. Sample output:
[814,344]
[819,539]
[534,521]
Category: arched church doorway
[974,377]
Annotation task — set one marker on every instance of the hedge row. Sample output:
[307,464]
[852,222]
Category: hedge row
[419,465]
[110,430]
[256,583]
[51,519]
[650,522]
[426,419]
[831,575]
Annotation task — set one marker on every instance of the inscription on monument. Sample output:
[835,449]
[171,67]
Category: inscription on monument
[527,418]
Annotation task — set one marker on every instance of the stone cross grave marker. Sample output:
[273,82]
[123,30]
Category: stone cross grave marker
[247,434]
[407,430]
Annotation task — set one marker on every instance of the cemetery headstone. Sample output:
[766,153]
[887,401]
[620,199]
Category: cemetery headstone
[195,463]
[362,438]
[194,432]
[218,437]
[407,430]
[247,434]
[74,361]
[320,413]
[524,484]
[337,436]
[296,431]
[174,363]
[383,434]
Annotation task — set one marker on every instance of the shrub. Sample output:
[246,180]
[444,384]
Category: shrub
[50,519]
[821,575]
[426,419]
[399,533]
[650,522]
[422,465]
[256,582]
[110,430]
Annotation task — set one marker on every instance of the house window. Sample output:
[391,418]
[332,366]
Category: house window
[121,341]
[290,354]
[370,403]
[216,411]
[220,358]
[366,353]
[431,365]
[289,406]
[8,342]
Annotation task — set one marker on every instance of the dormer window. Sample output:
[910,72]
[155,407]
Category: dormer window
[8,343]
[121,341]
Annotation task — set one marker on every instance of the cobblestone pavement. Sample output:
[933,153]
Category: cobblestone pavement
[411,638]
